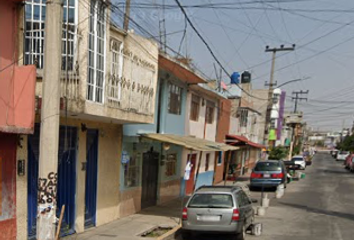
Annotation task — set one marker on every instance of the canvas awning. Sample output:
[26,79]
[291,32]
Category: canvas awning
[242,141]
[190,142]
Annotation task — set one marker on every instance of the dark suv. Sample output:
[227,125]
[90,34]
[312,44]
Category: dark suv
[218,210]
[268,174]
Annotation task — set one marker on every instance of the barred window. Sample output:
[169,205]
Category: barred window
[195,105]
[175,99]
[114,92]
[171,165]
[96,63]
[244,118]
[209,113]
[35,13]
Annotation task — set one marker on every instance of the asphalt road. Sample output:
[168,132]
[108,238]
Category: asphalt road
[319,207]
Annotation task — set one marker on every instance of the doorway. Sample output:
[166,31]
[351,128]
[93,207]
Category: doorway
[91,178]
[149,179]
[190,182]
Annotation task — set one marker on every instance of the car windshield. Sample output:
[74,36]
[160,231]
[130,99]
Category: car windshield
[298,159]
[267,166]
[211,201]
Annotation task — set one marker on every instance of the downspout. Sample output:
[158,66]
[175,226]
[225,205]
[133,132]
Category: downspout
[158,127]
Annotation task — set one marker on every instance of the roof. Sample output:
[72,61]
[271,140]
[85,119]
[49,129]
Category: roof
[217,189]
[180,70]
[208,91]
[242,141]
[189,142]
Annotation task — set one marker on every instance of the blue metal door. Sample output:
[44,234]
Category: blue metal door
[66,188]
[91,178]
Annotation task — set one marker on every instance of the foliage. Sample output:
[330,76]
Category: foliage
[319,143]
[347,144]
[278,153]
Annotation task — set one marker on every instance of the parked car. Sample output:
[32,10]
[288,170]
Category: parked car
[268,174]
[220,210]
[334,153]
[342,155]
[300,161]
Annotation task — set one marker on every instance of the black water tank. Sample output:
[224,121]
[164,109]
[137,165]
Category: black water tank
[246,77]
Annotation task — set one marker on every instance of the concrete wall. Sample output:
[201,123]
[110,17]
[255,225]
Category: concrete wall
[196,128]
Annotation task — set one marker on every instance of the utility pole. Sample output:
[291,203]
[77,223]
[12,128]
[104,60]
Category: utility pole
[126,15]
[272,84]
[293,136]
[50,117]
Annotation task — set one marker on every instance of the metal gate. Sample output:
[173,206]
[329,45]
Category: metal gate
[150,178]
[91,178]
[66,189]
[8,144]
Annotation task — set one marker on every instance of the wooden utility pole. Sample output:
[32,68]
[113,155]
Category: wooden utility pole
[126,15]
[293,136]
[272,84]
[50,118]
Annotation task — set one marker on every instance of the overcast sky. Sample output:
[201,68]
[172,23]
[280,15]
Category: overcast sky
[238,31]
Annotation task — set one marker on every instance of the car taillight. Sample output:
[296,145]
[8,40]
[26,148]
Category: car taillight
[256,175]
[185,214]
[278,175]
[235,215]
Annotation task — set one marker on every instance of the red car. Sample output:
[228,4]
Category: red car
[349,162]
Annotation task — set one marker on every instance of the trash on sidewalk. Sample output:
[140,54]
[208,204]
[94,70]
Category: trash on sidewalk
[256,229]
[156,232]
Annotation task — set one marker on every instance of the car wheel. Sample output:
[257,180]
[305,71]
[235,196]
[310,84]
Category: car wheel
[186,236]
[242,235]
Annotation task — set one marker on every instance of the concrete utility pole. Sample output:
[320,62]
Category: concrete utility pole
[293,137]
[272,84]
[126,15]
[50,117]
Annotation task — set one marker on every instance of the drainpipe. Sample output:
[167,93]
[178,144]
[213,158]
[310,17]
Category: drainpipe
[158,127]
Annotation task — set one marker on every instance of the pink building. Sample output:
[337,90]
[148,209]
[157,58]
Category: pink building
[17,100]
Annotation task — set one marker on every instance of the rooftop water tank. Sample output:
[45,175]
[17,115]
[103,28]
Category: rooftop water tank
[235,78]
[246,77]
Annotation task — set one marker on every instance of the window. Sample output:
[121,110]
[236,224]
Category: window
[244,118]
[35,13]
[114,92]
[171,165]
[96,63]
[175,99]
[209,112]
[131,172]
[220,158]
[207,160]
[211,200]
[195,103]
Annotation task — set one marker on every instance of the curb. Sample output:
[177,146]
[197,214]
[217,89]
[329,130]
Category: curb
[170,235]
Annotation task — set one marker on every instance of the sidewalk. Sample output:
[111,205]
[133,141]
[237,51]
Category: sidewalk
[129,228]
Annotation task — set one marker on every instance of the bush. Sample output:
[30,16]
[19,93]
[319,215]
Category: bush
[278,153]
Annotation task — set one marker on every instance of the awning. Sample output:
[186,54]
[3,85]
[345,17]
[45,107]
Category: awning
[242,141]
[192,143]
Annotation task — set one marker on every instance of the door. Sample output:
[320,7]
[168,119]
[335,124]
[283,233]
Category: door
[149,179]
[66,189]
[91,178]
[190,182]
[8,144]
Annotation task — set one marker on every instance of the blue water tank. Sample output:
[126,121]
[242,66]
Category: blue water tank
[235,78]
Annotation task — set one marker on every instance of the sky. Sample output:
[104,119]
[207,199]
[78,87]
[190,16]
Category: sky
[238,31]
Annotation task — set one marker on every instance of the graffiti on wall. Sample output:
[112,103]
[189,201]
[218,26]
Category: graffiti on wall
[47,189]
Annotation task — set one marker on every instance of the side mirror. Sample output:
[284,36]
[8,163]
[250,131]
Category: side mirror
[253,200]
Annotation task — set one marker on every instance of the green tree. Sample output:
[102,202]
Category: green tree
[347,144]
[278,153]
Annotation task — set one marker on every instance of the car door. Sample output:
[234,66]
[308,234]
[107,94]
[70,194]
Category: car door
[248,209]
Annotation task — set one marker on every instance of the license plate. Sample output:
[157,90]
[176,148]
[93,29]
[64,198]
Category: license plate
[209,218]
[266,175]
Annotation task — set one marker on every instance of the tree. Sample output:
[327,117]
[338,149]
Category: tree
[278,153]
[347,144]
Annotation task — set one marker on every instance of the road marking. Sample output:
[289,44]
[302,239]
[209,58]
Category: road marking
[338,231]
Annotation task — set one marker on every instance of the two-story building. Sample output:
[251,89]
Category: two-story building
[109,78]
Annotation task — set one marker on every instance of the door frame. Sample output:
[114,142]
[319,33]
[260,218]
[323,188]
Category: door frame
[151,156]
[193,159]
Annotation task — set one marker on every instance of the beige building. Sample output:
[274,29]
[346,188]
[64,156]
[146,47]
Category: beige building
[109,79]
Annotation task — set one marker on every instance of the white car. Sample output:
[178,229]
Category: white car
[342,156]
[299,160]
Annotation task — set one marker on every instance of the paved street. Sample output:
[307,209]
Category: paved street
[321,206]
